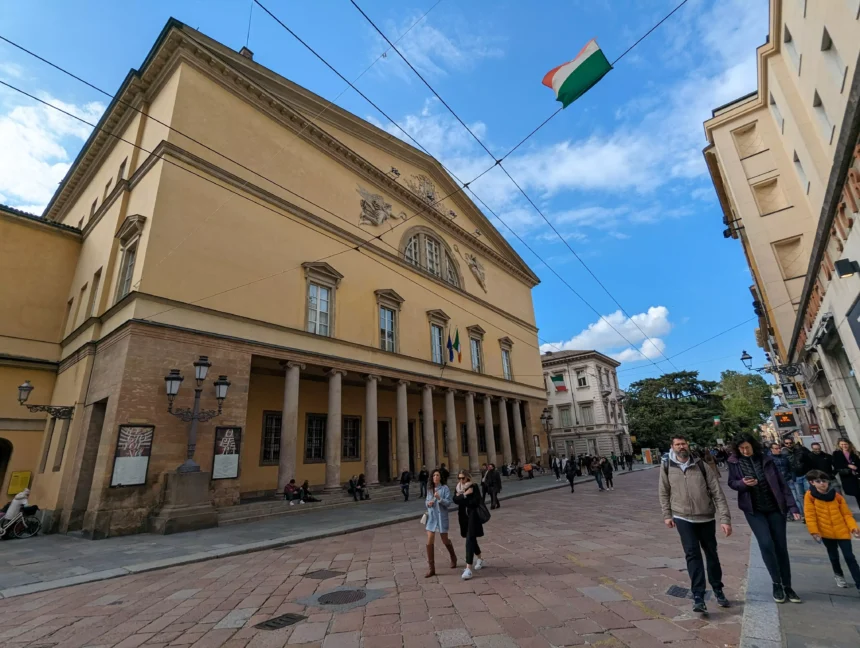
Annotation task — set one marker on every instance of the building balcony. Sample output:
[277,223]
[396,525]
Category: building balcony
[596,428]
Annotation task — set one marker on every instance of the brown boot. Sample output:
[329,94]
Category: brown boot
[431,560]
[450,547]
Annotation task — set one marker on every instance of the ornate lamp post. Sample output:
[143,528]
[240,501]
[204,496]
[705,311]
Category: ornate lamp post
[57,411]
[172,382]
[781,369]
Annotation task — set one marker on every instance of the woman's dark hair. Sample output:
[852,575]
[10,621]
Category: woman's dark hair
[746,437]
[436,470]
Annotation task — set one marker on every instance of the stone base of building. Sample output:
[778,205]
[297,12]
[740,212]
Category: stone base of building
[187,505]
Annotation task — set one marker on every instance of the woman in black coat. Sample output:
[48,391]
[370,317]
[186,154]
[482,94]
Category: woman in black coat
[606,467]
[468,498]
[846,464]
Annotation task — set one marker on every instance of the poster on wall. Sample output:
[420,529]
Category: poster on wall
[19,480]
[225,461]
[131,461]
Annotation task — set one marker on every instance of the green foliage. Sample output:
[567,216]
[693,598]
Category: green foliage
[747,400]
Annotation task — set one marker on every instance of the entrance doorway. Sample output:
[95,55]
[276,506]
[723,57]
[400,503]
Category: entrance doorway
[5,457]
[384,444]
[411,435]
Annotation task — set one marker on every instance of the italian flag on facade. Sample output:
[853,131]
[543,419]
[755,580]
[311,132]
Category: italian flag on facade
[558,381]
[573,79]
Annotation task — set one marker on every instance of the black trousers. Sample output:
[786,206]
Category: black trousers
[769,531]
[423,489]
[833,547]
[484,492]
[608,481]
[404,488]
[695,538]
[472,550]
[494,499]
[570,481]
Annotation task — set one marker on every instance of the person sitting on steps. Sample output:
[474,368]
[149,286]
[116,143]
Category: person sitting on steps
[305,492]
[291,493]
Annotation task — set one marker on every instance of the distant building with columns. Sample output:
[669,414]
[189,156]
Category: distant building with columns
[320,264]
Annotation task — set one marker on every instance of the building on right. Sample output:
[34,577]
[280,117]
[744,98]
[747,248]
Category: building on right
[785,163]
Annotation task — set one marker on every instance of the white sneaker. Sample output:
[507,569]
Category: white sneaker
[479,564]
[467,574]
[292,503]
[840,581]
[301,501]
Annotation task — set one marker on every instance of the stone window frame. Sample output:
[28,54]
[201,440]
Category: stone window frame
[506,345]
[587,406]
[565,409]
[438,317]
[464,439]
[276,439]
[344,457]
[476,335]
[449,268]
[128,235]
[388,298]
[320,273]
[584,375]
[314,460]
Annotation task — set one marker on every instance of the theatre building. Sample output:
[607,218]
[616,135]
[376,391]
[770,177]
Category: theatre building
[224,221]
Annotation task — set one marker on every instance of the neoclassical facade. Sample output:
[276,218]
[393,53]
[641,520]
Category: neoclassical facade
[319,264]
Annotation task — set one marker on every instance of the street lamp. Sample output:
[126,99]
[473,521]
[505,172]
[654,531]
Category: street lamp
[57,411]
[746,358]
[546,417]
[172,382]
[781,369]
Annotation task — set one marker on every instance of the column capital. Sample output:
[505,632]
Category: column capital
[334,371]
[451,390]
[503,399]
[404,382]
[470,393]
[290,364]
[429,387]
[370,377]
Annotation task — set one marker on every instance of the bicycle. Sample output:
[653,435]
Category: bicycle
[24,525]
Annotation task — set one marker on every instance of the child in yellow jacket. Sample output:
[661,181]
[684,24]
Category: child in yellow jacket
[830,521]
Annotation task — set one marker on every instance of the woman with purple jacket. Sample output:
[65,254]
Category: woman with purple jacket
[765,500]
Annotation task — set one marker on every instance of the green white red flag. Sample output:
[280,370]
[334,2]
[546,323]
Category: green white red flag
[573,79]
[558,381]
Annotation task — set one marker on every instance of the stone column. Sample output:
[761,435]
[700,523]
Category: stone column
[518,432]
[333,429]
[504,431]
[429,427]
[371,431]
[289,426]
[402,428]
[488,430]
[472,436]
[451,432]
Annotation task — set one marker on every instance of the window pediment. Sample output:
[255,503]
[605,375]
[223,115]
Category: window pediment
[131,228]
[388,297]
[506,343]
[438,316]
[322,272]
[476,331]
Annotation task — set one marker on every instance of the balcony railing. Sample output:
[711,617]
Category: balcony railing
[595,427]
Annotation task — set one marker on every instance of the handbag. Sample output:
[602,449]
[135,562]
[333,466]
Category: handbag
[483,513]
[424,519]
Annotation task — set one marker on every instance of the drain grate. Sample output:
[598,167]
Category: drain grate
[341,597]
[322,574]
[683,592]
[280,622]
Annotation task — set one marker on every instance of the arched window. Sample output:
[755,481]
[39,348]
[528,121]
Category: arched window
[424,249]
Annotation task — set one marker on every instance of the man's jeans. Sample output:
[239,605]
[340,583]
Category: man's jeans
[798,490]
[695,538]
[598,477]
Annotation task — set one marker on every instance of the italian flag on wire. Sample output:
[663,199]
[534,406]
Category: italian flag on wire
[558,381]
[573,79]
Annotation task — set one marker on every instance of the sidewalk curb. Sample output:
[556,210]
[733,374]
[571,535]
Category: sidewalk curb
[760,627]
[273,543]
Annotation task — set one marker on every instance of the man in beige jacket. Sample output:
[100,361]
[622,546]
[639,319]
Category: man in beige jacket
[691,498]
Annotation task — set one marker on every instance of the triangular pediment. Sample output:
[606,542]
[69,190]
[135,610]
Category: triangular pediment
[389,295]
[131,227]
[321,270]
[476,330]
[438,315]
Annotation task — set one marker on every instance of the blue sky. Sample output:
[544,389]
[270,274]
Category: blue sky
[620,172]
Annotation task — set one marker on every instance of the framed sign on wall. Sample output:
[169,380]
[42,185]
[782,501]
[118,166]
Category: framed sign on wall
[131,460]
[225,461]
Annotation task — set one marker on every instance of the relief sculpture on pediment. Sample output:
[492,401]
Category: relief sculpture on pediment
[374,209]
[475,266]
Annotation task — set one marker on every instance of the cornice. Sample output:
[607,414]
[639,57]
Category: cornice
[26,362]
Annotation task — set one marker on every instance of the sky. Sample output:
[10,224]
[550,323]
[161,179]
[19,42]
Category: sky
[619,173]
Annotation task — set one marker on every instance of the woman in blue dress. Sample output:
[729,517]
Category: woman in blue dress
[437,502]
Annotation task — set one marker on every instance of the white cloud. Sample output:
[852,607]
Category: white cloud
[35,145]
[603,335]
[11,70]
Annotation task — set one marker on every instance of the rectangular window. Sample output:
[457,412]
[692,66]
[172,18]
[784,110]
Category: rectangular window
[587,412]
[93,207]
[482,438]
[777,114]
[351,439]
[315,438]
[506,364]
[387,341]
[791,49]
[824,122]
[68,315]
[477,355]
[107,189]
[836,67]
[437,344]
[464,439]
[581,378]
[93,305]
[497,437]
[801,174]
[444,439]
[79,305]
[319,302]
[564,417]
[434,264]
[121,174]
[126,272]
[270,452]
[81,224]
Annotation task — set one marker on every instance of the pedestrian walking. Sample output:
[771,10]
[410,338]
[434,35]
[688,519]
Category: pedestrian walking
[818,460]
[484,489]
[846,464]
[614,458]
[471,527]
[797,462]
[606,466]
[570,474]
[830,521]
[629,461]
[423,476]
[691,498]
[438,501]
[405,478]
[445,474]
[556,468]
[494,485]
[596,470]
[765,499]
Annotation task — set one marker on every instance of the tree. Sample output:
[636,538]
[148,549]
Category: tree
[674,403]
[747,401]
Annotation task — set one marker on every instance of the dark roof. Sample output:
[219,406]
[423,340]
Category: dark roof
[551,356]
[38,219]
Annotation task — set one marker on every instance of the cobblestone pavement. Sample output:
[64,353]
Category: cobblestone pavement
[51,561]
[562,569]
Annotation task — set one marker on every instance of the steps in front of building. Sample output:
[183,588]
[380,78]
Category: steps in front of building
[274,508]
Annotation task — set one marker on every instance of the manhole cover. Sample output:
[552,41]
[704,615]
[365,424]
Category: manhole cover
[342,597]
[322,574]
[683,592]
[280,622]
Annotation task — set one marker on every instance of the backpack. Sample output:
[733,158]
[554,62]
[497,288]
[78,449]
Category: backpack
[700,464]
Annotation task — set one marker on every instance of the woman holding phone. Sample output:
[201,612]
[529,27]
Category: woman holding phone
[765,499]
[468,498]
[438,501]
